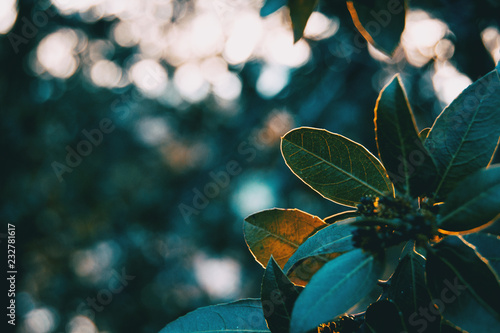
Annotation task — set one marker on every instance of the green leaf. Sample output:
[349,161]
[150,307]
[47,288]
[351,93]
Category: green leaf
[270,6]
[464,287]
[341,216]
[300,11]
[448,328]
[279,232]
[384,317]
[464,137]
[407,289]
[408,163]
[381,23]
[335,288]
[337,168]
[278,296]
[488,246]
[332,239]
[240,316]
[424,133]
[473,203]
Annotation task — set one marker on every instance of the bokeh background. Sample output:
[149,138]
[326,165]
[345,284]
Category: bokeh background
[185,89]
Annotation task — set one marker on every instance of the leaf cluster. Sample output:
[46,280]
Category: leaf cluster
[428,194]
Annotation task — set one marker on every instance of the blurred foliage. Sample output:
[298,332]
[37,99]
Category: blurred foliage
[118,209]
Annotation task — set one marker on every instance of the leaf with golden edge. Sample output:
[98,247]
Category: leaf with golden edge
[279,232]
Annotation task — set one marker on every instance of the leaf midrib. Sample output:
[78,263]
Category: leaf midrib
[337,168]
[455,154]
[289,242]
[466,205]
[469,288]
[315,252]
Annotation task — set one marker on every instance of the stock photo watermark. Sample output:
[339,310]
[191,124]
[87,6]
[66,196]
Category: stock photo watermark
[104,297]
[30,28]
[83,148]
[220,180]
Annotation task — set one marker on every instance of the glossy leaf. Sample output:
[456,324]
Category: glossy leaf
[464,287]
[464,137]
[278,295]
[270,6]
[332,239]
[423,133]
[341,216]
[240,316]
[300,11]
[337,168]
[407,289]
[278,232]
[305,270]
[335,288]
[407,161]
[488,246]
[473,203]
[381,23]
[384,317]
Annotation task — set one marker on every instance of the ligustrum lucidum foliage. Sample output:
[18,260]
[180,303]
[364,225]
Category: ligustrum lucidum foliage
[426,197]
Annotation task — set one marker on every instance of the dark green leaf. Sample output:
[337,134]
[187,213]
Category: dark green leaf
[278,296]
[448,328]
[493,228]
[474,202]
[335,288]
[341,216]
[464,137]
[278,232]
[380,23]
[241,316]
[408,163]
[464,287]
[488,246]
[332,239]
[337,168]
[384,317]
[300,11]
[270,6]
[407,289]
[423,133]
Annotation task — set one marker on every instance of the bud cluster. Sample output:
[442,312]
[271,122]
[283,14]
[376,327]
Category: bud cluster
[390,221]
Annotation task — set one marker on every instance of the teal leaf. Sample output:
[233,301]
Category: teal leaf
[407,161]
[337,168]
[300,11]
[473,203]
[384,317]
[464,287]
[270,6]
[240,316]
[381,22]
[278,295]
[464,137]
[332,239]
[488,246]
[335,288]
[407,289]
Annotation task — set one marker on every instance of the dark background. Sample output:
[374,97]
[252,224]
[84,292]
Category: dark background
[118,211]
